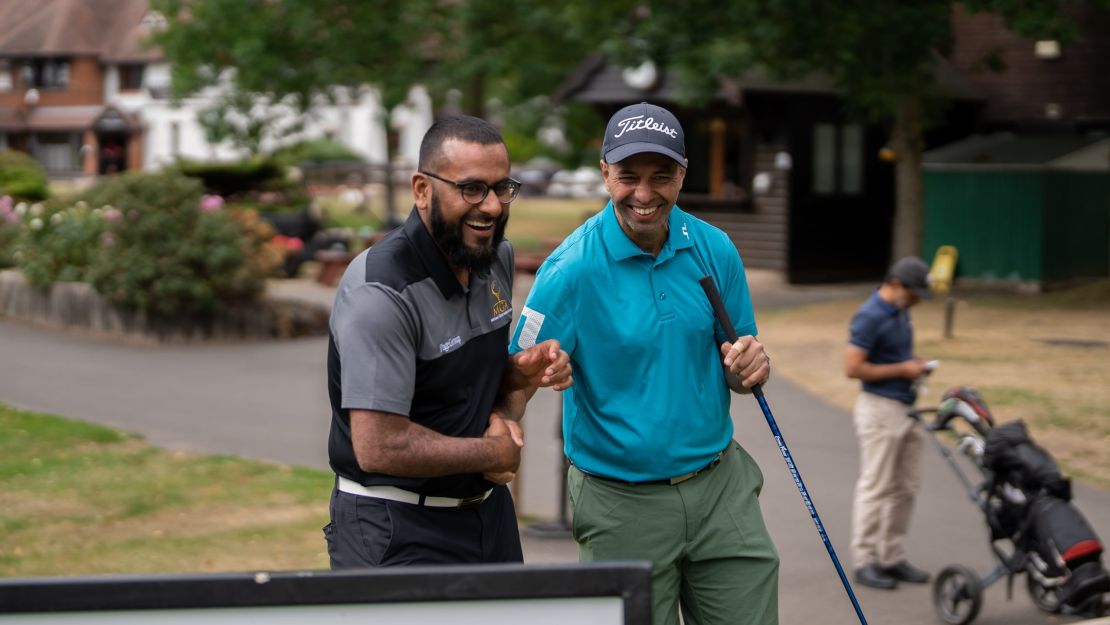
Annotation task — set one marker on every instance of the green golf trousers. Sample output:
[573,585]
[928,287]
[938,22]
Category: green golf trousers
[710,551]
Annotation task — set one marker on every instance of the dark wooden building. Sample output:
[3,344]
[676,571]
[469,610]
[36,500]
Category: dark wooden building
[799,186]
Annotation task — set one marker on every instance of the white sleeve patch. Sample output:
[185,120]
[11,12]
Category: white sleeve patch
[532,322]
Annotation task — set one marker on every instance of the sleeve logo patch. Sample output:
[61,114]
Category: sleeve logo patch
[533,321]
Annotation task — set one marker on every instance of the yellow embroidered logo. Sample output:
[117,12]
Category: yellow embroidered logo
[500,305]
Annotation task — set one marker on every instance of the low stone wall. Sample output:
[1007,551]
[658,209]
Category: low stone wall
[77,306]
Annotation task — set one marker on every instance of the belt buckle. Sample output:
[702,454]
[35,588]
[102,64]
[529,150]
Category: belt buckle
[466,502]
[682,478]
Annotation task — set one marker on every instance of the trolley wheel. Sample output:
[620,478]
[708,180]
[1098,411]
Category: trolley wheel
[1044,598]
[957,595]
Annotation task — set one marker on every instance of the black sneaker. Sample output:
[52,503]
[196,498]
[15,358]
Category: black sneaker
[906,572]
[872,575]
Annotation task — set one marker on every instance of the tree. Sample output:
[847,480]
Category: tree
[300,51]
[881,54]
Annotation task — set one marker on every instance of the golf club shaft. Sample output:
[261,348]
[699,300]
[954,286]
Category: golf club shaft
[710,288]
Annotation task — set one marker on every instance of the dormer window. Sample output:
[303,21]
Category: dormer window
[154,20]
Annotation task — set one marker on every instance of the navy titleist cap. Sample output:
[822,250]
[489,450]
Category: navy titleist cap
[640,128]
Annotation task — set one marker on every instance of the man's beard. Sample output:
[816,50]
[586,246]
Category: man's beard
[450,240]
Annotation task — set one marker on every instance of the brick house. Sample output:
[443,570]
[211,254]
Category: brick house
[82,93]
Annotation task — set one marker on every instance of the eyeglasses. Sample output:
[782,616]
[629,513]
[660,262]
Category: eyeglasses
[475,191]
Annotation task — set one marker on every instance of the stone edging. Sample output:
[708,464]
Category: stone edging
[77,306]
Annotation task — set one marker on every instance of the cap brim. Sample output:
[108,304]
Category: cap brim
[924,292]
[622,152]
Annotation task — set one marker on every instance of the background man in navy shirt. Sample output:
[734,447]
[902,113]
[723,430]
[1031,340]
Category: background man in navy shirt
[880,355]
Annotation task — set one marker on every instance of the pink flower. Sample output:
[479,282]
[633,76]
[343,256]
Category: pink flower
[211,203]
[289,244]
[112,214]
[6,203]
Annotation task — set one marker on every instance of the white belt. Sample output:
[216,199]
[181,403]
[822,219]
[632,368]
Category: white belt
[392,493]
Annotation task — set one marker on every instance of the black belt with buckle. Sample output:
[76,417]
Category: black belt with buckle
[671,481]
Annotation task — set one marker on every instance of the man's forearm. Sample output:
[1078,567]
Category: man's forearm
[394,445]
[511,405]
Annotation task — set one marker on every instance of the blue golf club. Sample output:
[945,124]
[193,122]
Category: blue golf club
[710,288]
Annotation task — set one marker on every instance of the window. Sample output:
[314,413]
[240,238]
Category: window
[838,159]
[718,145]
[44,73]
[5,75]
[58,152]
[130,77]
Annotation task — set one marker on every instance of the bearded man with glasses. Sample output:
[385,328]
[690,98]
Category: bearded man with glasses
[425,400]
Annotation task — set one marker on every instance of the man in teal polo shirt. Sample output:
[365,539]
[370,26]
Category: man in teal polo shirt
[655,473]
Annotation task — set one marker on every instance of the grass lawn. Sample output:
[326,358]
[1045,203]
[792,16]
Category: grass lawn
[1041,358]
[81,499]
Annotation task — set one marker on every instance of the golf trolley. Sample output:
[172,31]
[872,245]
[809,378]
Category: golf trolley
[1034,528]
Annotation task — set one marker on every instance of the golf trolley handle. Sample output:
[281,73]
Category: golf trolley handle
[711,292]
[971,489]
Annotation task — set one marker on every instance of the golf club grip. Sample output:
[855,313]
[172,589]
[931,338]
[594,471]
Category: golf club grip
[718,304]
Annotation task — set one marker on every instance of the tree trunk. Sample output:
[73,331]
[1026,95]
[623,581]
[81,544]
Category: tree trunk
[391,219]
[908,145]
[476,97]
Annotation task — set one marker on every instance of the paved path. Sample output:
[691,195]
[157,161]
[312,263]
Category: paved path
[268,400]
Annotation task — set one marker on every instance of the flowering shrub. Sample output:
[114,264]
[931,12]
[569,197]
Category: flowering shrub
[153,242]
[59,242]
[11,224]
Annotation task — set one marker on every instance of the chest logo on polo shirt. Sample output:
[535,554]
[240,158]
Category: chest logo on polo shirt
[449,345]
[684,233]
[501,306]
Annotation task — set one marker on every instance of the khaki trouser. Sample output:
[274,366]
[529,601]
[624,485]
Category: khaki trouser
[890,472]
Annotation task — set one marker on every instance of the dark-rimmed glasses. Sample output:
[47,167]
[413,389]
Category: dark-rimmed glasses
[475,191]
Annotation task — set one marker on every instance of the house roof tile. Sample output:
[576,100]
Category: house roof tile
[109,29]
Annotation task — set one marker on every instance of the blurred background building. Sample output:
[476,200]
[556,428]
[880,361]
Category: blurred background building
[82,92]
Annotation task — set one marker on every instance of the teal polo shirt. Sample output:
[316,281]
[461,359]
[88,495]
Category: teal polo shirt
[649,399]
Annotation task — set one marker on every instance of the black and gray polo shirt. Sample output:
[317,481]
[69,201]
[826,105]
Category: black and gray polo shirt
[408,339]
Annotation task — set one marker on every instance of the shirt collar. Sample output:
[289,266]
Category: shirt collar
[889,309]
[621,247]
[431,256]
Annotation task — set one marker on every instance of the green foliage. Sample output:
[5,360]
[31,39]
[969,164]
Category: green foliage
[151,242]
[230,179]
[315,151]
[174,253]
[524,126]
[21,176]
[60,242]
[246,120]
[301,50]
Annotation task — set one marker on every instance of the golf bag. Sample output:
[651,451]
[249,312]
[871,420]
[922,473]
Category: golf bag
[1030,503]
